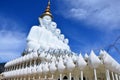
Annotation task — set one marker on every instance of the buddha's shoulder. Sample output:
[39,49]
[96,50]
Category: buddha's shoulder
[35,27]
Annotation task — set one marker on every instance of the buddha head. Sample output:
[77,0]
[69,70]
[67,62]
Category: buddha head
[57,32]
[45,20]
[66,41]
[52,26]
[61,37]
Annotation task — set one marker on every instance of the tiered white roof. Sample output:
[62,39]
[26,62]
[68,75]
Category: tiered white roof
[63,62]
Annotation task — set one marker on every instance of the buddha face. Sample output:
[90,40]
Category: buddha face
[66,41]
[53,26]
[57,32]
[46,20]
[61,37]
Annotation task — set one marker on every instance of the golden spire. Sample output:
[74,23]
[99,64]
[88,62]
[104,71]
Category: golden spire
[47,11]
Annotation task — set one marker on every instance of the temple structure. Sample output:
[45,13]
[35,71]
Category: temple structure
[49,57]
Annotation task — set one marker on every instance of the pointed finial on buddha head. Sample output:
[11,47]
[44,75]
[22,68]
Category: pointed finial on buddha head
[47,11]
[46,17]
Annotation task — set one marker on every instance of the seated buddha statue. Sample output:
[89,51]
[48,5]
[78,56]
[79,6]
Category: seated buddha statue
[46,35]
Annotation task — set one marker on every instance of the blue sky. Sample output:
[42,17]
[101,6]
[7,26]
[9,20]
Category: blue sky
[88,24]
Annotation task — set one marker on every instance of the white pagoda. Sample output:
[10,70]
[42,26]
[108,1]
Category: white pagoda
[49,57]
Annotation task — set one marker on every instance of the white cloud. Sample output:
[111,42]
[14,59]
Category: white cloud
[12,39]
[82,13]
[99,13]
[8,55]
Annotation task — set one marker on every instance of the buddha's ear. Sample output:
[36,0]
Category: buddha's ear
[40,21]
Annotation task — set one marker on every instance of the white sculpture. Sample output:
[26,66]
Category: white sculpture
[49,54]
[57,32]
[52,27]
[66,41]
[32,39]
[46,36]
[94,62]
[61,37]
[48,57]
[52,68]
[45,21]
[70,64]
[60,66]
[39,69]
[81,62]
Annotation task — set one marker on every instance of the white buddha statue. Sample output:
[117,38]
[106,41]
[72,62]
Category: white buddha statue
[46,17]
[52,27]
[38,34]
[51,37]
[46,35]
[46,20]
[66,42]
[60,42]
[63,43]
